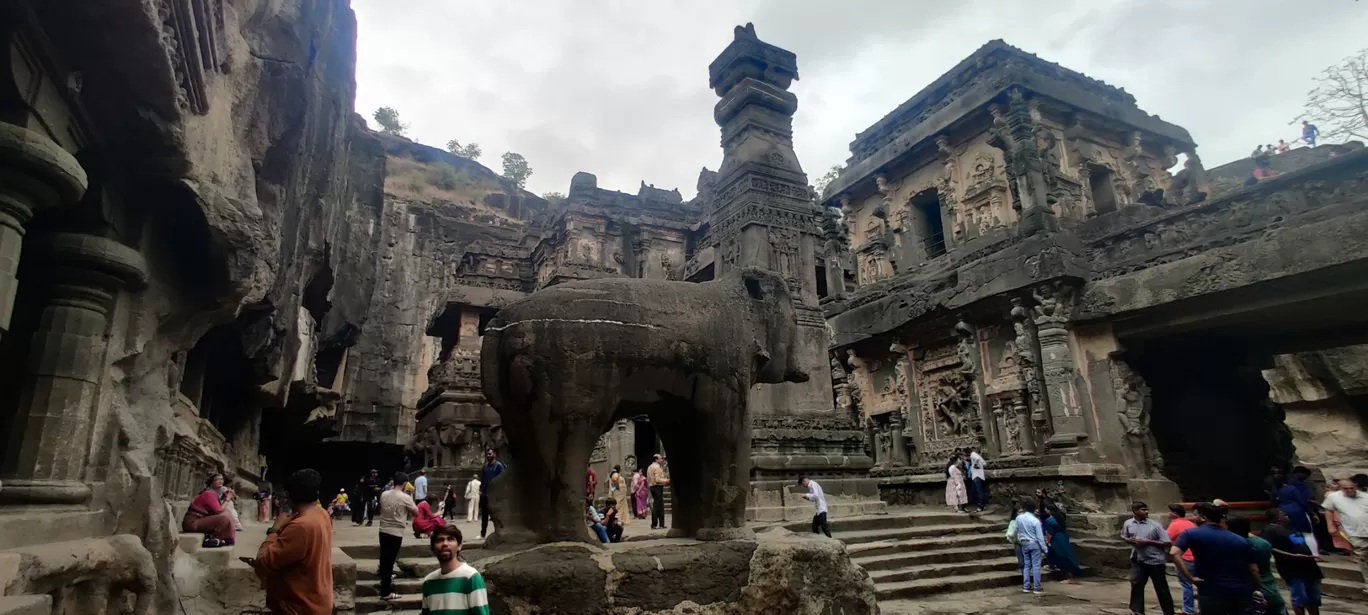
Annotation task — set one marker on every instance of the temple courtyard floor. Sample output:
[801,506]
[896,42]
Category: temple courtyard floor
[1089,596]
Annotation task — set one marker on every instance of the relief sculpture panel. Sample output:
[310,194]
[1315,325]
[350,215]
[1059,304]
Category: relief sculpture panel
[949,407]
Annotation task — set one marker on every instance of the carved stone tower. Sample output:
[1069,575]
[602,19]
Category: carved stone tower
[763,214]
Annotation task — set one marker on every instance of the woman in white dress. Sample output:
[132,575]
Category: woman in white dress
[955,495]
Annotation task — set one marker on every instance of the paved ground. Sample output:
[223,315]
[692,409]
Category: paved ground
[1086,597]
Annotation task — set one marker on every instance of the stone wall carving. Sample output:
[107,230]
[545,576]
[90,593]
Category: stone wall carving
[1133,403]
[948,404]
[192,33]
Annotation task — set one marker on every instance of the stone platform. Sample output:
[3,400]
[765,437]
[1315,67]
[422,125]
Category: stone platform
[777,572]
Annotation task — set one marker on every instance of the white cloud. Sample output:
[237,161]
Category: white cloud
[619,88]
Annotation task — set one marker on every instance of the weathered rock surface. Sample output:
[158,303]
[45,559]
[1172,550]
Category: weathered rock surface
[778,573]
[435,206]
[1322,393]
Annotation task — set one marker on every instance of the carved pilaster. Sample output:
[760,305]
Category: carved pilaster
[80,276]
[1032,408]
[1054,303]
[899,444]
[35,173]
[1017,135]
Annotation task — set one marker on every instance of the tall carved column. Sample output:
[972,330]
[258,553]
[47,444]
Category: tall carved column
[909,410]
[1054,301]
[80,276]
[1016,131]
[1031,409]
[35,172]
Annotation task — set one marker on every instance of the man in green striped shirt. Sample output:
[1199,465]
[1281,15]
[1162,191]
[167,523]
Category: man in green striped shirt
[454,588]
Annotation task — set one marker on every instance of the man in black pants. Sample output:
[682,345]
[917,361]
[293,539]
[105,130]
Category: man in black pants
[655,479]
[492,468]
[818,497]
[396,511]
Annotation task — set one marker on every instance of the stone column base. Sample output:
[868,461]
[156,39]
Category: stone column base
[1157,492]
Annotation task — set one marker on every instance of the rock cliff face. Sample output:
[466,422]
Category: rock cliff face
[435,206]
[221,146]
[1325,396]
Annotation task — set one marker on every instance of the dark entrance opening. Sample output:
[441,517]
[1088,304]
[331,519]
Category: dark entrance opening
[927,206]
[646,445]
[702,275]
[1103,190]
[822,290]
[217,379]
[1212,418]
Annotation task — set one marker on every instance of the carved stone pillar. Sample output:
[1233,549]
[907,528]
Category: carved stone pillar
[1032,409]
[1017,133]
[80,276]
[899,446]
[1054,303]
[35,172]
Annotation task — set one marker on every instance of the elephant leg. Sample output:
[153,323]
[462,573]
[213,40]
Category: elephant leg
[724,425]
[579,414]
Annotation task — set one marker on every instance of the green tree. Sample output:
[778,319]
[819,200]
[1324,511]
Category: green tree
[516,169]
[471,151]
[554,197]
[1338,105]
[388,119]
[827,178]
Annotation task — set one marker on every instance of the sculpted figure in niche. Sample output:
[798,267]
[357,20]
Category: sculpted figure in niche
[954,403]
[1133,397]
[694,352]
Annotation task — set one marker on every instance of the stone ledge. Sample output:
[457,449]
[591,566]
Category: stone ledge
[1095,472]
[26,605]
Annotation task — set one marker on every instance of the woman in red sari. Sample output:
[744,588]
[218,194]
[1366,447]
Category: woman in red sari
[207,516]
[426,522]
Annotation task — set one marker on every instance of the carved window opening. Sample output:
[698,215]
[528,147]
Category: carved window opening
[703,275]
[486,315]
[1103,190]
[822,290]
[646,443]
[927,205]
[217,378]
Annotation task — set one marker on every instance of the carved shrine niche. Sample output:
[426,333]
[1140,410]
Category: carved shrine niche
[987,200]
[949,405]
[783,256]
[192,33]
[1005,389]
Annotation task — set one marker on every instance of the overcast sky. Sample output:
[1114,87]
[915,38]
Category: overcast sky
[620,88]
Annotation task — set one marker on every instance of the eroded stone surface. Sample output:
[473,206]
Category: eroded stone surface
[777,573]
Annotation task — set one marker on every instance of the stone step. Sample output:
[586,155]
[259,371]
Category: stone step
[406,568]
[26,605]
[927,587]
[936,571]
[959,583]
[1345,590]
[372,604]
[925,531]
[958,554]
[953,541]
[1341,568]
[897,521]
[412,547]
[403,585]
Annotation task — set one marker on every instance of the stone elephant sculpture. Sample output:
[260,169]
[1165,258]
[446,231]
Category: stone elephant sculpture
[561,365]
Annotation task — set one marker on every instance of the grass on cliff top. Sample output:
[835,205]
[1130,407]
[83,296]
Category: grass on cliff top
[410,179]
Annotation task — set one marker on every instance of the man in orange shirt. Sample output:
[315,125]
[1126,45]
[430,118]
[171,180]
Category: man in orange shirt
[295,561]
[1179,523]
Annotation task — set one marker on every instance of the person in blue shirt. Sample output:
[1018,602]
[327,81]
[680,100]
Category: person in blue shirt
[1031,537]
[492,468]
[1309,133]
[1225,570]
[1295,500]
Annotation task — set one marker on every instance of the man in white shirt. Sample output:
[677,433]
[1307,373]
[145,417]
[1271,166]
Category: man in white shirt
[977,475]
[472,498]
[396,508]
[1351,517]
[420,486]
[818,497]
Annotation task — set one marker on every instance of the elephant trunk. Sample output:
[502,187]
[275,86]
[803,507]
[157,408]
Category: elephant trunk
[491,370]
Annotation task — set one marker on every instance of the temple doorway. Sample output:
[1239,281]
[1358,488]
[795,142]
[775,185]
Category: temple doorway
[646,444]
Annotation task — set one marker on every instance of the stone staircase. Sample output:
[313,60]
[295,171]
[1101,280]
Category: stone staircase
[917,553]
[415,562]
